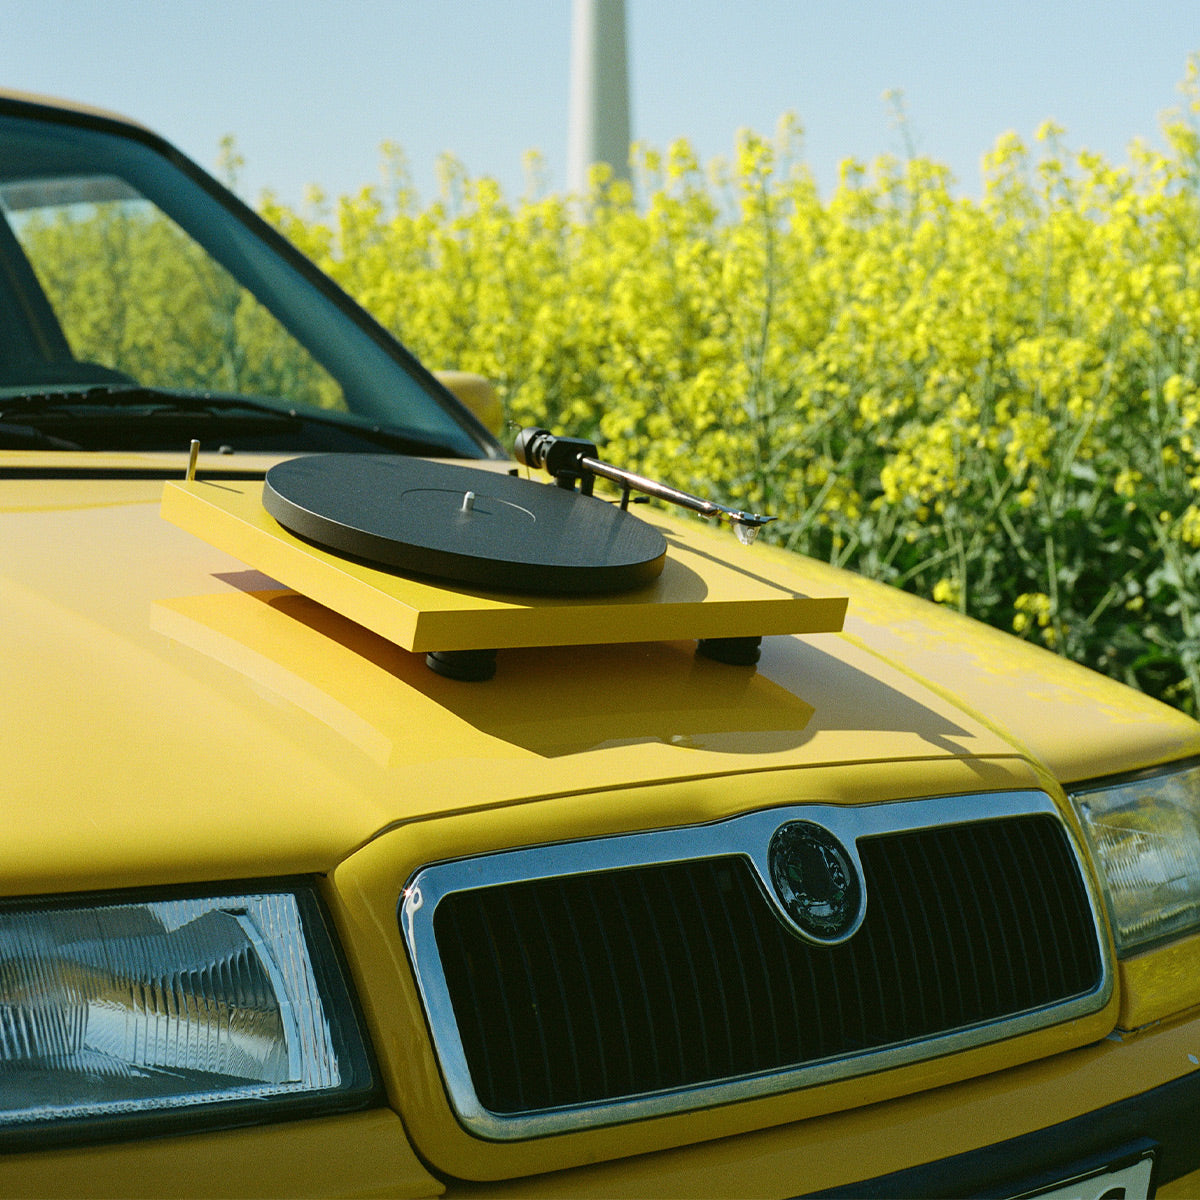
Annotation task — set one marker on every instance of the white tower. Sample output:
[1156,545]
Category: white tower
[599,116]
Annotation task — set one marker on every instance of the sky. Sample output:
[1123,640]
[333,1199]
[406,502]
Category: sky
[311,89]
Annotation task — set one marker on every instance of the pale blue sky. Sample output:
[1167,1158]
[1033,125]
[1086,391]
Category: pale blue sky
[311,88]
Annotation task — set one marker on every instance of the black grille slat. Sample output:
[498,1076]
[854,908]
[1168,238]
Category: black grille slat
[591,1047]
[899,932]
[701,1054]
[1057,899]
[927,963]
[638,951]
[670,1047]
[616,1006]
[763,1003]
[992,904]
[584,988]
[1027,954]
[971,932]
[558,996]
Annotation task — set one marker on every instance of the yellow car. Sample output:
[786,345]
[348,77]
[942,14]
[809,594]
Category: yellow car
[383,817]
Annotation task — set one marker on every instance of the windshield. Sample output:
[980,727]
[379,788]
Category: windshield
[119,271]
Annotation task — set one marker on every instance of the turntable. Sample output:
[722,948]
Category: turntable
[459,561]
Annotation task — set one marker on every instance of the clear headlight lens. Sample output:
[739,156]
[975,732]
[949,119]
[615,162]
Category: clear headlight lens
[142,1006]
[1145,836]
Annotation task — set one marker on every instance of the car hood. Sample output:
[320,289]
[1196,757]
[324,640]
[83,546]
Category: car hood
[172,714]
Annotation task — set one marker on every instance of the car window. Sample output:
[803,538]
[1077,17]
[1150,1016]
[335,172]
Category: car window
[119,266]
[134,294]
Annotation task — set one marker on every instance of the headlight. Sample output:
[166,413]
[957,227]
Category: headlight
[139,1006]
[1145,836]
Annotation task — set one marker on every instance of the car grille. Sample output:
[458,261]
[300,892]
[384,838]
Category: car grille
[573,990]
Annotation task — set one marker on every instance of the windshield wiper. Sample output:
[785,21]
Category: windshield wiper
[133,396]
[26,437]
[159,402]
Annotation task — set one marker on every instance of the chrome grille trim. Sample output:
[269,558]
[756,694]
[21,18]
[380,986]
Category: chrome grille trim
[745,837]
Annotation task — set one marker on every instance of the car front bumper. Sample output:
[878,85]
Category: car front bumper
[1161,1124]
[950,1141]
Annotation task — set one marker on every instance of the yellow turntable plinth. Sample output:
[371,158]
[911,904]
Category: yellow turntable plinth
[709,587]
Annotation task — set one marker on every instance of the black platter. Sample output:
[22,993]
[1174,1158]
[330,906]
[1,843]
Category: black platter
[463,524]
